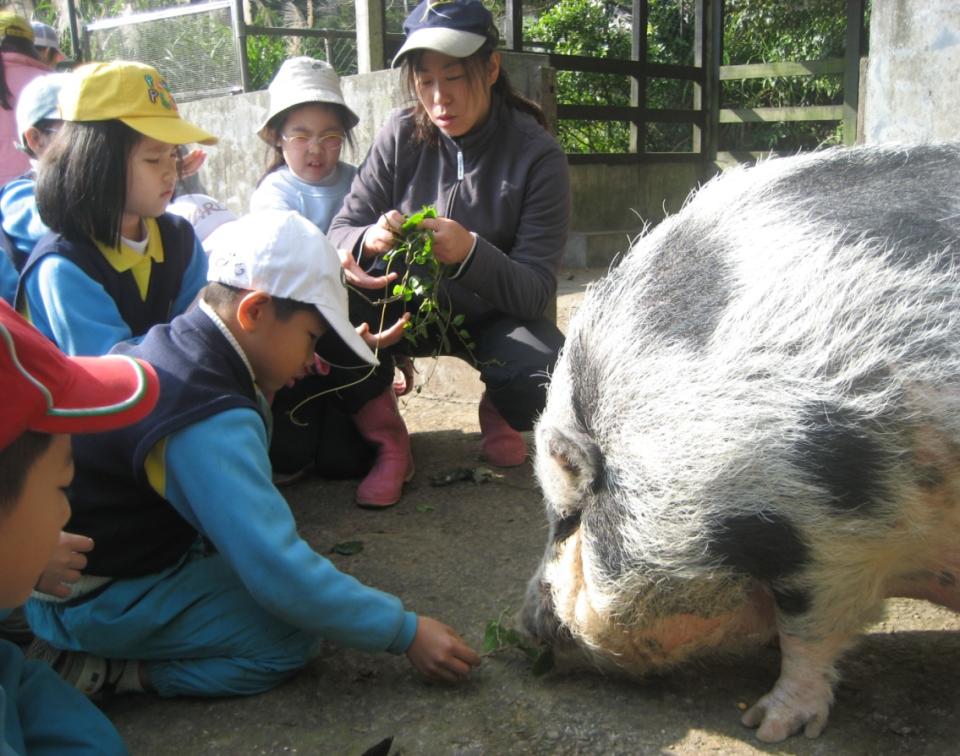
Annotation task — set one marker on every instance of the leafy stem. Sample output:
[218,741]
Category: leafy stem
[422,274]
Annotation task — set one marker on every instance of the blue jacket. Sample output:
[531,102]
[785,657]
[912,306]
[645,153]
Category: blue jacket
[213,470]
[73,295]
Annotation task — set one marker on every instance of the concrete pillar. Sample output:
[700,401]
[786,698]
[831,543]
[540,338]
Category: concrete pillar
[912,72]
[370,35]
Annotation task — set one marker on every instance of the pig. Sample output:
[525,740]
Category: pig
[753,430]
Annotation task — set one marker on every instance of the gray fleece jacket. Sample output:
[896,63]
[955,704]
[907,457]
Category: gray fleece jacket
[512,190]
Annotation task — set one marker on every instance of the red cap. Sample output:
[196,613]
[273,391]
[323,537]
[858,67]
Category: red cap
[41,389]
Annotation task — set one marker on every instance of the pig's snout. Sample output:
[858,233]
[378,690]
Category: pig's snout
[538,617]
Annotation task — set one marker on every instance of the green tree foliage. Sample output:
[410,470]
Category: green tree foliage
[770,31]
[755,31]
[594,28]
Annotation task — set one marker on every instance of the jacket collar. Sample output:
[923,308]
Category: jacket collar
[480,137]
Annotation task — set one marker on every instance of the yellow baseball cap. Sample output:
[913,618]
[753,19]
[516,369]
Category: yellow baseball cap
[133,93]
[12,25]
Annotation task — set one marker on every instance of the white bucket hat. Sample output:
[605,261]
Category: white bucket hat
[300,81]
[285,255]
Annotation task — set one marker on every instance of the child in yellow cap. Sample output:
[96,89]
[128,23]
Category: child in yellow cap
[116,263]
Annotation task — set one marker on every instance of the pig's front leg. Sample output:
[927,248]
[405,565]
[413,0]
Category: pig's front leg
[802,695]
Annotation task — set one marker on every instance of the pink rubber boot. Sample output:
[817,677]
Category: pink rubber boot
[379,422]
[502,446]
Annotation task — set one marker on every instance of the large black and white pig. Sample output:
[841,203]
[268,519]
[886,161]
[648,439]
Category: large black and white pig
[754,427]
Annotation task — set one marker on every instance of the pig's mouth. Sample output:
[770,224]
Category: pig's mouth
[565,609]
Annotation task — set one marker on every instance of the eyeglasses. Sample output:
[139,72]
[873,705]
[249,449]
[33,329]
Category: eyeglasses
[323,141]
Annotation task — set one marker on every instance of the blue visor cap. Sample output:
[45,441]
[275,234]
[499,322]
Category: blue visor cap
[454,27]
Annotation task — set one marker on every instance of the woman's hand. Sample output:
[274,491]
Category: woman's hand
[381,238]
[64,567]
[451,241]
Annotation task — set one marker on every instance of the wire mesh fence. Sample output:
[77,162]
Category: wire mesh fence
[192,46]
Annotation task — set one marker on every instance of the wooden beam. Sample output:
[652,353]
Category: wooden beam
[627,114]
[829,66]
[774,115]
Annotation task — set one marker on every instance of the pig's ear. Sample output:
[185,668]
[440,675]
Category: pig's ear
[569,466]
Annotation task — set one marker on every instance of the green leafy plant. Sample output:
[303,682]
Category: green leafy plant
[498,637]
[421,278]
[347,548]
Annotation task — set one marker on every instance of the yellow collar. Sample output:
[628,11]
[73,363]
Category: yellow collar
[124,258]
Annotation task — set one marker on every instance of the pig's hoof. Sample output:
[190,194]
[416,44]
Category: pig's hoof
[778,719]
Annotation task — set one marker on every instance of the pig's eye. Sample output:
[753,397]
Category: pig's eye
[564,528]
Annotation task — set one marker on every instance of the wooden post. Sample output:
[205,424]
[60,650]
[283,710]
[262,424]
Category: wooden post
[513,23]
[707,54]
[851,70]
[638,85]
[370,35]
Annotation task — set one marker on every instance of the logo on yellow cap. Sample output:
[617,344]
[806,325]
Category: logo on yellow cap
[158,91]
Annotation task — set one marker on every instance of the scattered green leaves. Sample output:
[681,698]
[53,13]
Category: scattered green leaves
[347,548]
[476,475]
[497,637]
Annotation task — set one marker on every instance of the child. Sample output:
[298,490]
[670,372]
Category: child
[117,263]
[19,64]
[203,584]
[47,42]
[37,121]
[205,214]
[46,396]
[306,126]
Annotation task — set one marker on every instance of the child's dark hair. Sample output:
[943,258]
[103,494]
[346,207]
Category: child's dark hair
[17,45]
[275,126]
[82,181]
[475,69]
[220,295]
[15,463]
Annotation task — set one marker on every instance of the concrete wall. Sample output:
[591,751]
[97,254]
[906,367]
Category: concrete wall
[611,203]
[911,91]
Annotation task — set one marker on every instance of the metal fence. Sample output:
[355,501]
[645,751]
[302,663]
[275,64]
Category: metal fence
[192,45]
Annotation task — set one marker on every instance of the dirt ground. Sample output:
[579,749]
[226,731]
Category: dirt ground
[463,553]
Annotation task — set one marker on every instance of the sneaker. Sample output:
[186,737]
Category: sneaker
[85,672]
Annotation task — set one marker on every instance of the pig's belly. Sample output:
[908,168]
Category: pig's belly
[939,585]
[679,638]
[683,637]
